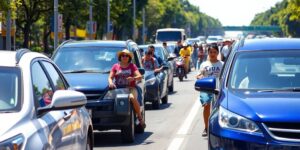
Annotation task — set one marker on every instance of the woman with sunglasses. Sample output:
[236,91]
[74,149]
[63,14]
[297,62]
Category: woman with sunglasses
[210,68]
[125,74]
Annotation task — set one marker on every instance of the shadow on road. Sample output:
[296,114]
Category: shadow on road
[148,107]
[113,139]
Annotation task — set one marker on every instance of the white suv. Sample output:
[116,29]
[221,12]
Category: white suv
[36,109]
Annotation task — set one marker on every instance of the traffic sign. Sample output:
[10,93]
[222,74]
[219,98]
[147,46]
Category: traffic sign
[94,28]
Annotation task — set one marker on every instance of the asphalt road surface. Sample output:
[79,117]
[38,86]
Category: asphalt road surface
[177,125]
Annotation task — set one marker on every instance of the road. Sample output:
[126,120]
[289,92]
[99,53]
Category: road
[175,126]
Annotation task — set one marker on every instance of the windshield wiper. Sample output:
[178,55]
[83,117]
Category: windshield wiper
[282,90]
[84,71]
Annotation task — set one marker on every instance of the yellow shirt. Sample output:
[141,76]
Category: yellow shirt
[185,52]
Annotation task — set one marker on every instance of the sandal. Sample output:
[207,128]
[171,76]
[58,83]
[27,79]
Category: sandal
[142,123]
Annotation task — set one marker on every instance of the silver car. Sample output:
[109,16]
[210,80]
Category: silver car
[37,111]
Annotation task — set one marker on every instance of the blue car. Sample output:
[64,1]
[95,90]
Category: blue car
[257,97]
[86,65]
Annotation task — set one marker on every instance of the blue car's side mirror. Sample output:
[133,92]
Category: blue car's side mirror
[206,85]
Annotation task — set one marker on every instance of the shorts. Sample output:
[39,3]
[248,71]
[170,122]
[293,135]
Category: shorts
[205,98]
[134,93]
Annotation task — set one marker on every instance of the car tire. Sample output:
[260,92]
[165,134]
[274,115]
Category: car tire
[164,100]
[171,88]
[138,128]
[180,78]
[89,145]
[156,103]
[127,132]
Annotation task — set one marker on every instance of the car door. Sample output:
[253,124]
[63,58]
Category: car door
[79,133]
[58,123]
[138,63]
[170,65]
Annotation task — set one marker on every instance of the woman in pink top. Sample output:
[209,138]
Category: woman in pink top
[126,74]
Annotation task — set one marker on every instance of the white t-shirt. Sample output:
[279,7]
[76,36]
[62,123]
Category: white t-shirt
[209,69]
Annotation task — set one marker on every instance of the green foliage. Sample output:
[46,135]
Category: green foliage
[285,14]
[33,18]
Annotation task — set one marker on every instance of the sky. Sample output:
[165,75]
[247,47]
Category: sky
[234,12]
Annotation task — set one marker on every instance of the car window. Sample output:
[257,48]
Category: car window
[266,70]
[10,89]
[99,59]
[42,88]
[54,75]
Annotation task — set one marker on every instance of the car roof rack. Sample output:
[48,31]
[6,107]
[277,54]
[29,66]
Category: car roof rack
[20,53]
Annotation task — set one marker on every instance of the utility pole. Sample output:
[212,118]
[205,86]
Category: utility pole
[91,19]
[8,29]
[133,32]
[55,24]
[144,26]
[108,18]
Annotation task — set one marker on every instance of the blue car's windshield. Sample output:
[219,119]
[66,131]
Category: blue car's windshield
[10,89]
[266,70]
[97,59]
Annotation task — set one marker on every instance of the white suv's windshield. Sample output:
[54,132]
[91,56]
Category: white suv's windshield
[266,70]
[164,36]
[10,89]
[93,59]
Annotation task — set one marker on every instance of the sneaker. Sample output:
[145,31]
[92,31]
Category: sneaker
[204,133]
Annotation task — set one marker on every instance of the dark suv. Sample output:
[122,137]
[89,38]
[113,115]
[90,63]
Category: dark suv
[86,65]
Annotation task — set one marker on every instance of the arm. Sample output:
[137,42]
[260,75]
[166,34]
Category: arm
[110,79]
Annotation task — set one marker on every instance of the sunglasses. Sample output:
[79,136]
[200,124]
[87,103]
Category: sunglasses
[124,55]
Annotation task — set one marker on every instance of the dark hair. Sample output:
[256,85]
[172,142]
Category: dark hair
[213,46]
[151,46]
[128,60]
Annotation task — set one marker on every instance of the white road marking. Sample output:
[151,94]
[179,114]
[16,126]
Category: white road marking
[188,121]
[175,144]
[179,138]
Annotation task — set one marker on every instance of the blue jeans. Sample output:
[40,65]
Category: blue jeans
[206,98]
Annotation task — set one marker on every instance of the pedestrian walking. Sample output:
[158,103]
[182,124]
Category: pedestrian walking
[210,68]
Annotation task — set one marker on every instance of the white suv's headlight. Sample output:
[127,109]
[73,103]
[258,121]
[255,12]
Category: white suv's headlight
[151,81]
[14,143]
[231,120]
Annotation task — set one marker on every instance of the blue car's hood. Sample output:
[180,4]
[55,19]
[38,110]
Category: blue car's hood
[149,75]
[88,81]
[266,106]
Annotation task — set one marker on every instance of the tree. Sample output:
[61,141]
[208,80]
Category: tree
[28,13]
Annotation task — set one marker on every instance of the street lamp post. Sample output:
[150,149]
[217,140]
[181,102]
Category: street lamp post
[133,32]
[8,29]
[55,24]
[144,26]
[91,20]
[108,18]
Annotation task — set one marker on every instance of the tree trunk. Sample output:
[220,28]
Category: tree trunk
[46,34]
[67,28]
[26,32]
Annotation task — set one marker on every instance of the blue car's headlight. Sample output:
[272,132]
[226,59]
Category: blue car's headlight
[231,120]
[151,81]
[14,143]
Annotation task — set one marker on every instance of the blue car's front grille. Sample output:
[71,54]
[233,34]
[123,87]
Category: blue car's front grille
[284,131]
[93,95]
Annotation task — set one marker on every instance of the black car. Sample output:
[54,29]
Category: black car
[160,84]
[86,65]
